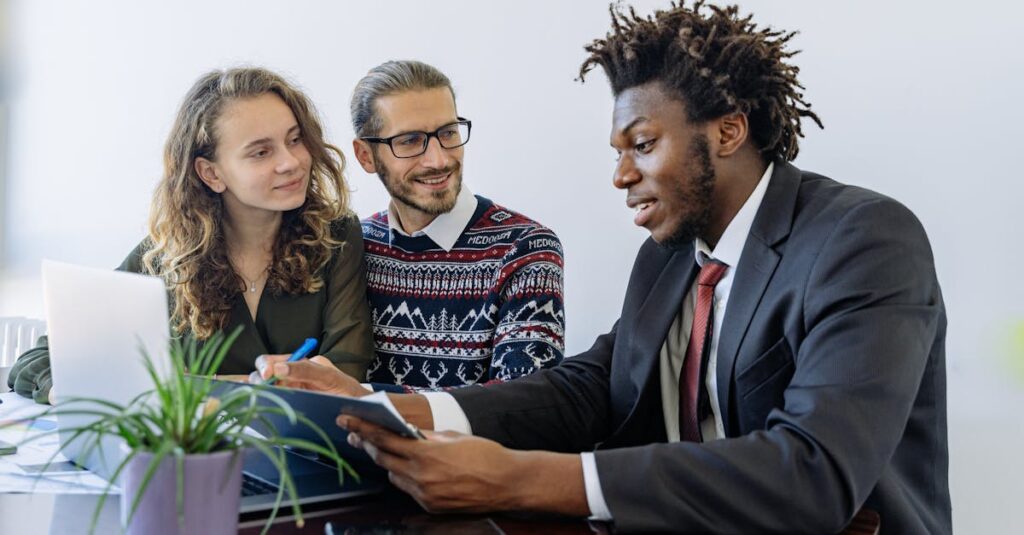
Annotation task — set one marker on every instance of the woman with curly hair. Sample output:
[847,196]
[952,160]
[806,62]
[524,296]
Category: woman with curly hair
[250,226]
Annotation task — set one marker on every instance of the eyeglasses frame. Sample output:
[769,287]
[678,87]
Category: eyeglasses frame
[387,140]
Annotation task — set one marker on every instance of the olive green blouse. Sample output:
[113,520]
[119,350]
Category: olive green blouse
[337,316]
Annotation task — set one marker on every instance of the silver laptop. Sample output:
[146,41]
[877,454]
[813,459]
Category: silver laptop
[98,322]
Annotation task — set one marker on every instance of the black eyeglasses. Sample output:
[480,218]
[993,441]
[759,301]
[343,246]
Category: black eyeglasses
[412,144]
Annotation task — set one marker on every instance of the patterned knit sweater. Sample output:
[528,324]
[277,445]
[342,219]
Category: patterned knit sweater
[488,310]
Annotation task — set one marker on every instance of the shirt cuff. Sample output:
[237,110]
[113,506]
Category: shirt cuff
[447,414]
[592,484]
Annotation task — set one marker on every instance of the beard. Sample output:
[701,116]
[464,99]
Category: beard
[438,202]
[695,193]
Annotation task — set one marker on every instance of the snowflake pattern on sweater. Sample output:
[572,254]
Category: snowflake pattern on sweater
[490,309]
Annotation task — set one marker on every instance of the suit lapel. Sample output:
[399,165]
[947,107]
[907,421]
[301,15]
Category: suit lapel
[653,319]
[756,266]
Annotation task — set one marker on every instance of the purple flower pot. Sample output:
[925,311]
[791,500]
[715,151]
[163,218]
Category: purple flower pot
[213,483]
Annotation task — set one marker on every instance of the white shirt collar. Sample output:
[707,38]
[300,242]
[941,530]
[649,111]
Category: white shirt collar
[730,245]
[446,228]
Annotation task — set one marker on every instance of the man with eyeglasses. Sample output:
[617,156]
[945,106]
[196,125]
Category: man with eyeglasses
[461,290]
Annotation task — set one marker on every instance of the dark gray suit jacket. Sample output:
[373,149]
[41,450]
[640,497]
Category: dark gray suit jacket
[831,377]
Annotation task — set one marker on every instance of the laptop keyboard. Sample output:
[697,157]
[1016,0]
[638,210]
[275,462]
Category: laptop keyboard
[256,487]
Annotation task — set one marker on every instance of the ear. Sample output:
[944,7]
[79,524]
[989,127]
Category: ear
[364,154]
[207,172]
[731,133]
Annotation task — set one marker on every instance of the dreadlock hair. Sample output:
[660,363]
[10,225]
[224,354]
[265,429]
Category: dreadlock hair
[716,61]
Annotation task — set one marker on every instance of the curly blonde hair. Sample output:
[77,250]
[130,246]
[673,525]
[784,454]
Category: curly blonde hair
[186,224]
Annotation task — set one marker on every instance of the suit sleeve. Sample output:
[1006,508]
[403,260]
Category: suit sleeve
[347,339]
[872,308]
[564,408]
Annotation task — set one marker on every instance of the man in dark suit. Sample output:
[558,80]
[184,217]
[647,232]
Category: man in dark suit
[779,360]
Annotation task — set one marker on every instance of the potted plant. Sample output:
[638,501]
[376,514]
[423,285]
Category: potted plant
[184,445]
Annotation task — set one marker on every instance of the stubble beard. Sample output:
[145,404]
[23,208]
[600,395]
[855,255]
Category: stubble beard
[441,202]
[697,194]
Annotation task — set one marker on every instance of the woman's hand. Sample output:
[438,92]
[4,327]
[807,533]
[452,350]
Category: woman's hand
[317,374]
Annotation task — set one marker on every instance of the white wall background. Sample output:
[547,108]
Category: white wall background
[920,101]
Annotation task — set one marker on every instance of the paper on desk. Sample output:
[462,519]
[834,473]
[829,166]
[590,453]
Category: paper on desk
[22,471]
[83,482]
[14,404]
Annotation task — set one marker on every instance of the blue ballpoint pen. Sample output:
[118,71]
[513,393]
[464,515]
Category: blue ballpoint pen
[299,354]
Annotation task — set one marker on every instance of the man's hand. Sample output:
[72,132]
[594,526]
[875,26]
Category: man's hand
[317,373]
[447,472]
[461,473]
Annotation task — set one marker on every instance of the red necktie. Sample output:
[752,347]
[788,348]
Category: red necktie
[700,335]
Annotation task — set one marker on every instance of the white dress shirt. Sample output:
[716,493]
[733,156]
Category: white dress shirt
[728,251]
[446,228]
[449,416]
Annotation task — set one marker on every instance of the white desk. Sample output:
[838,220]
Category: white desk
[53,504]
[16,474]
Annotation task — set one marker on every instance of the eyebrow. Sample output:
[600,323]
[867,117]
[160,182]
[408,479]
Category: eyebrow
[449,123]
[265,140]
[632,124]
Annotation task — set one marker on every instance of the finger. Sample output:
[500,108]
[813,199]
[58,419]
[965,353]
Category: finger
[407,486]
[430,504]
[356,424]
[343,421]
[264,364]
[441,436]
[322,361]
[392,463]
[382,438]
[357,441]
[298,385]
[255,378]
[370,450]
[317,376]
[280,370]
[363,427]
[286,374]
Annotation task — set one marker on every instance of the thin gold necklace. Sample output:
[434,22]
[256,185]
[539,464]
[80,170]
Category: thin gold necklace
[251,284]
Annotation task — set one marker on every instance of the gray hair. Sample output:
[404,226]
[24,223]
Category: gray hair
[387,79]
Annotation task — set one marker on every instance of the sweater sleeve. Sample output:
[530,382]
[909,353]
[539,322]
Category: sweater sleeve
[530,333]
